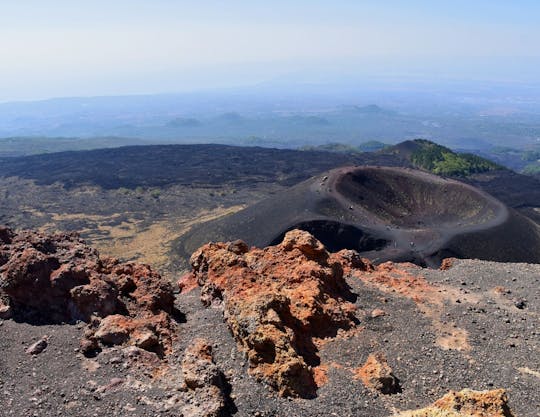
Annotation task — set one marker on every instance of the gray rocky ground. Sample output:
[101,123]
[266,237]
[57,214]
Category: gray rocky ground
[482,333]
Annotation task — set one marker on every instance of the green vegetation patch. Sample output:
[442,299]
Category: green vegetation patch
[532,169]
[443,161]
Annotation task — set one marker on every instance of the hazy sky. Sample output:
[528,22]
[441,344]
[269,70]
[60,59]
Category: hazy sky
[51,48]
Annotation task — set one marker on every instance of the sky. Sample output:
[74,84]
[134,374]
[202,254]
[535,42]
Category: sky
[58,48]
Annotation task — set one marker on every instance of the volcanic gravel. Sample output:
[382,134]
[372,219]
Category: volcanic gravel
[496,303]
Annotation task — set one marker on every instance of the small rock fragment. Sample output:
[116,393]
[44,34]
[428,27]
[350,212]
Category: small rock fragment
[205,379]
[376,374]
[38,347]
[378,313]
[5,311]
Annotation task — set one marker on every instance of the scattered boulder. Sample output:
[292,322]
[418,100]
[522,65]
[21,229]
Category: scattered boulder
[466,403]
[277,301]
[377,375]
[57,278]
[203,377]
[38,347]
[377,312]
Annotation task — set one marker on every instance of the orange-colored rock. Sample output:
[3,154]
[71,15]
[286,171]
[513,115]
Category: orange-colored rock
[198,367]
[320,375]
[466,403]
[146,302]
[276,301]
[151,332]
[187,283]
[376,374]
[351,260]
[58,278]
[447,263]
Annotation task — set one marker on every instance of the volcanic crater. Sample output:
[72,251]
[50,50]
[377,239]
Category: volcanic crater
[384,213]
[412,200]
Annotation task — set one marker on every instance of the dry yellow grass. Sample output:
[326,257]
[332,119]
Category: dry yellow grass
[131,239]
[152,244]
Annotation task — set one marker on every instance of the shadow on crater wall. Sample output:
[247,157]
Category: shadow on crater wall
[336,236]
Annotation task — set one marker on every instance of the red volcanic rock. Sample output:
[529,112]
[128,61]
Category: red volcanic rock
[198,367]
[58,278]
[351,260]
[376,374]
[147,331]
[377,313]
[277,301]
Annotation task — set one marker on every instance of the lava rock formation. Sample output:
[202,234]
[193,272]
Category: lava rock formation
[276,301]
[59,279]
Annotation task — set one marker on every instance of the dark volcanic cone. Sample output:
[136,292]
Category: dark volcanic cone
[385,214]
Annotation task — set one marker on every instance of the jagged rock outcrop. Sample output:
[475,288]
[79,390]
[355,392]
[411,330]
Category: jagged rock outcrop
[376,374]
[205,381]
[466,403]
[277,301]
[58,278]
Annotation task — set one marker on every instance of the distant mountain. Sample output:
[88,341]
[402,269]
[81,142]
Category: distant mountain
[371,109]
[184,122]
[310,120]
[231,117]
[526,161]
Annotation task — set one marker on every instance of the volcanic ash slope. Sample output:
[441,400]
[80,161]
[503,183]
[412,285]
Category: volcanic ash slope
[384,213]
